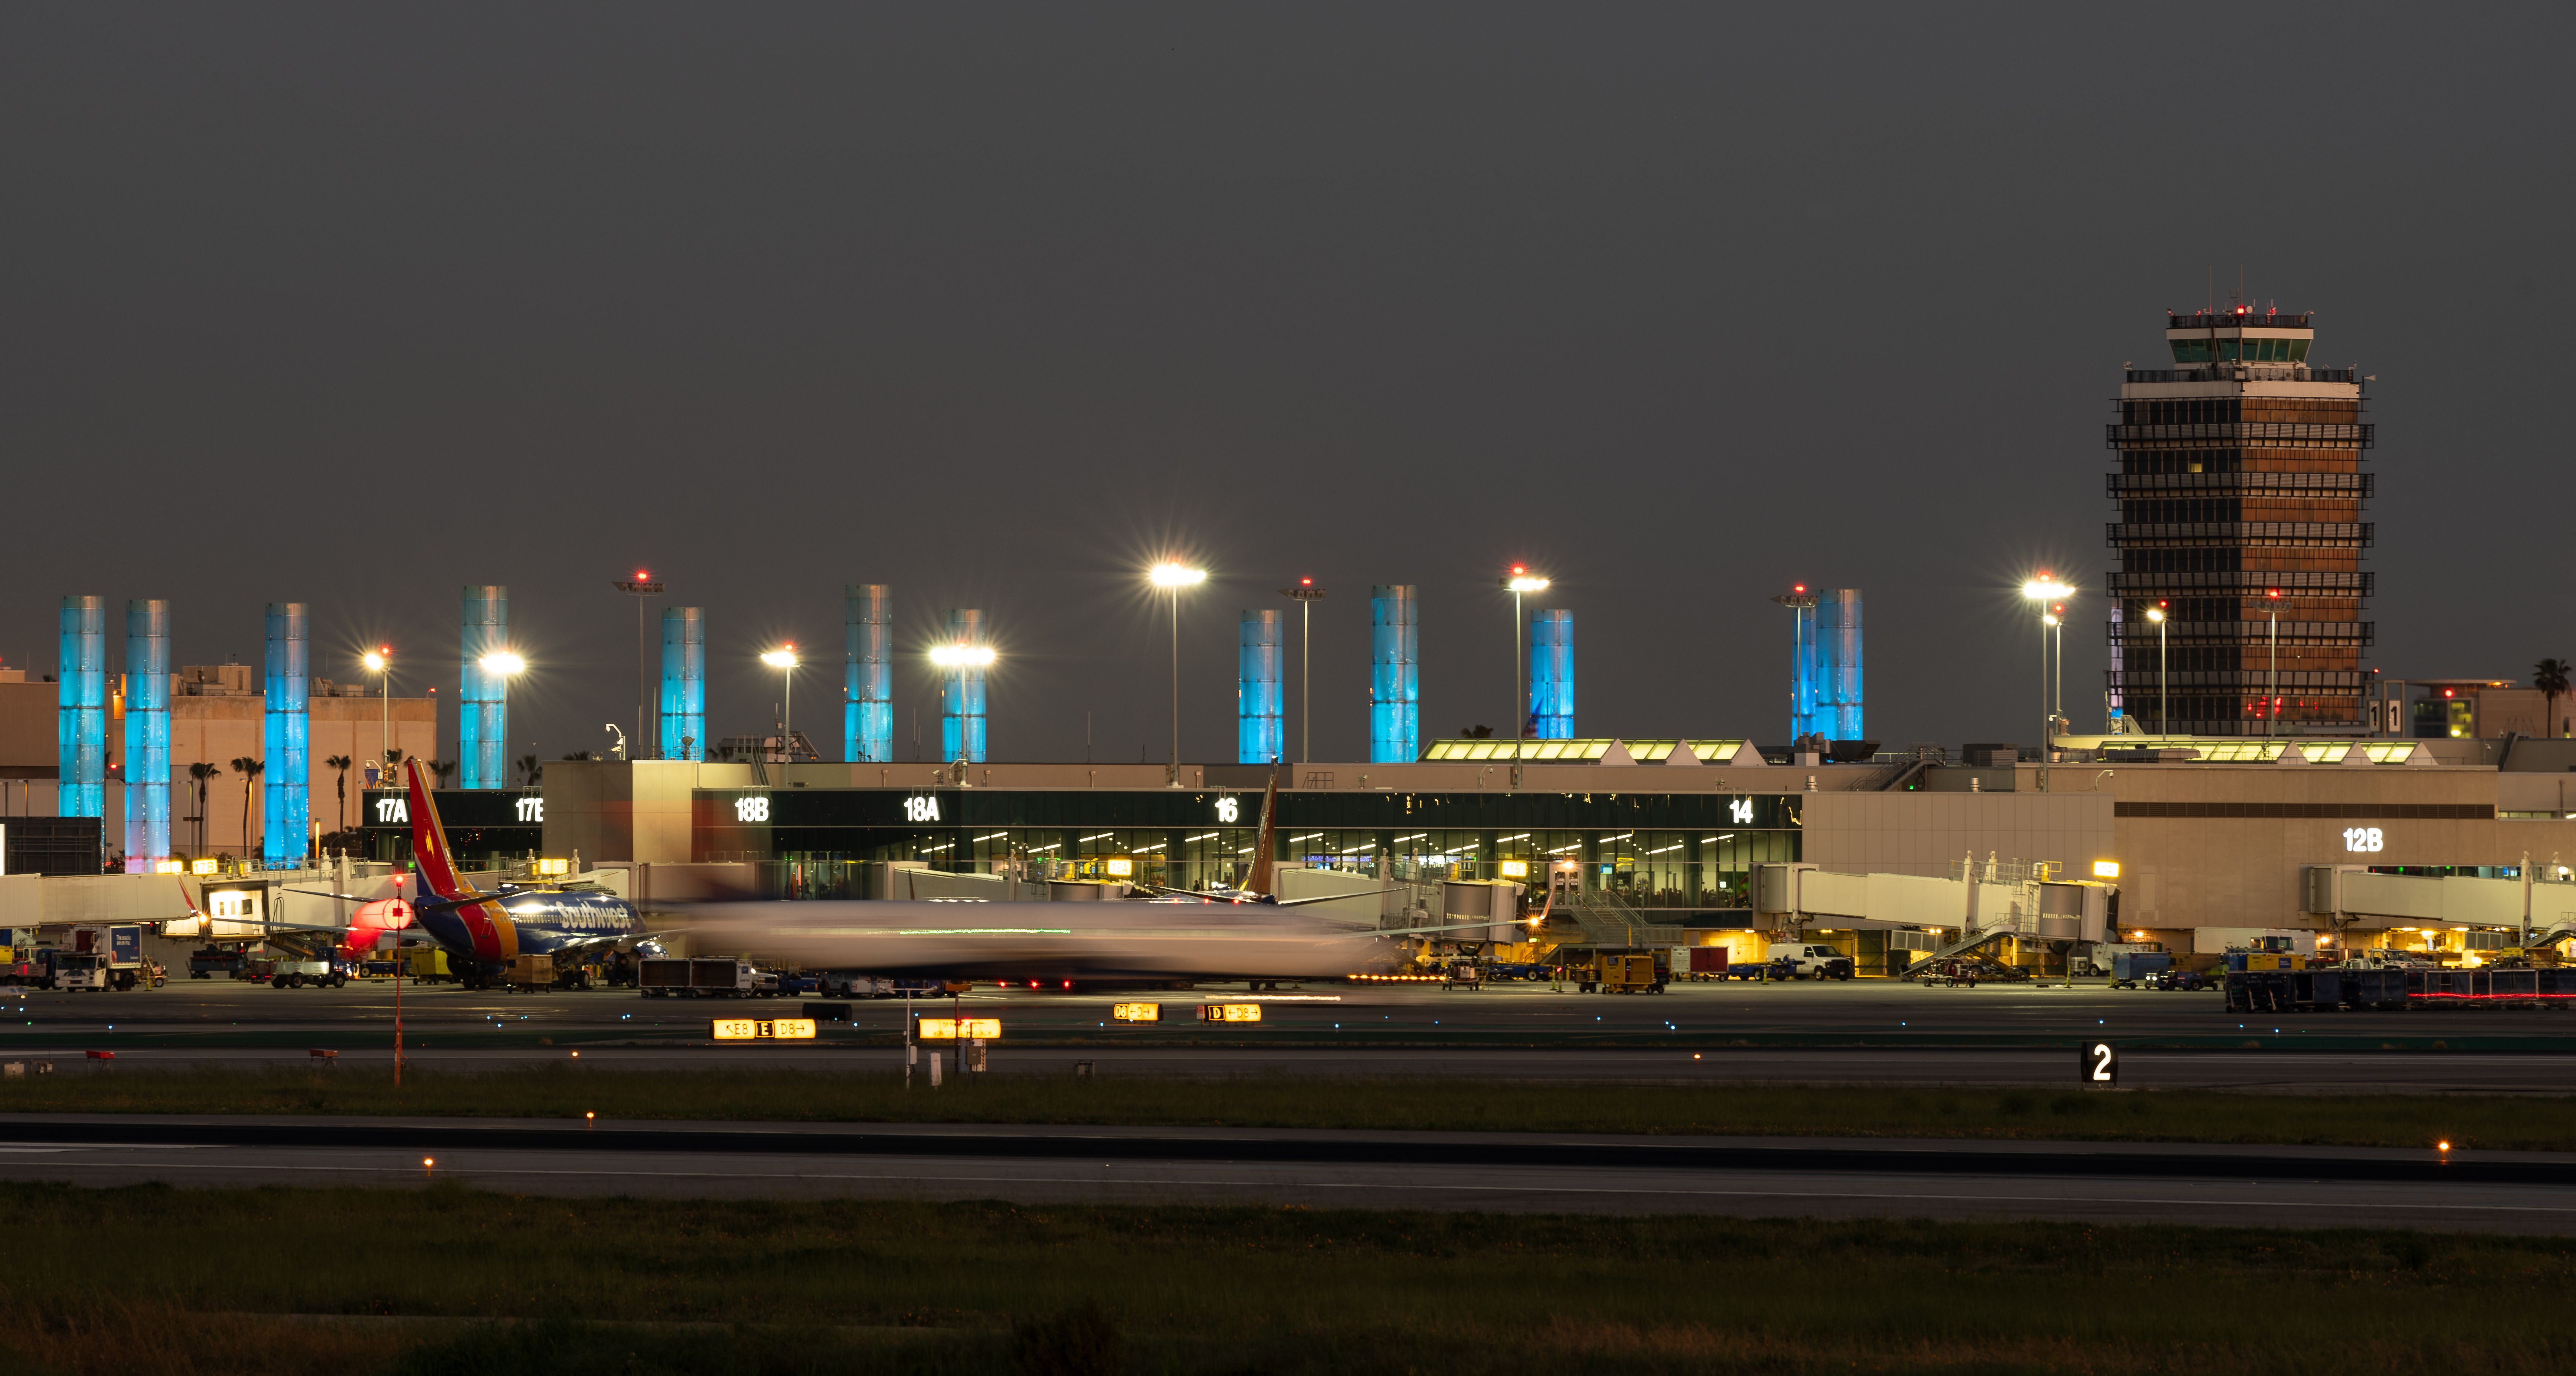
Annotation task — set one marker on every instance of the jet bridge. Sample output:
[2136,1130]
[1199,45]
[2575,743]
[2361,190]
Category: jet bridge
[2539,903]
[1978,903]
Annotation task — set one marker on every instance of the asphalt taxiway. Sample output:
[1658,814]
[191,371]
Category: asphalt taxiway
[2520,1192]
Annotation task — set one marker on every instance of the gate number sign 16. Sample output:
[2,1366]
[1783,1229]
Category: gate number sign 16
[2100,1064]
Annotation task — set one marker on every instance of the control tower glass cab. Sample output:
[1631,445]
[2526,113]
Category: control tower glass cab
[2241,496]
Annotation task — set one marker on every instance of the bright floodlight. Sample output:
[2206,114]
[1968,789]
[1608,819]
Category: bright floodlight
[374,661]
[2045,589]
[1169,575]
[780,659]
[1526,582]
[962,656]
[2155,613]
[503,663]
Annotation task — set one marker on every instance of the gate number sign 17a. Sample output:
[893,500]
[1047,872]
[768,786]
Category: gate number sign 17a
[2100,1064]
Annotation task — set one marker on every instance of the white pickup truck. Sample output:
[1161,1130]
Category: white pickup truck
[1809,960]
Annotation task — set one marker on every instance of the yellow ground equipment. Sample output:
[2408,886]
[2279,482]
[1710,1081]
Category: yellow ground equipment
[1623,974]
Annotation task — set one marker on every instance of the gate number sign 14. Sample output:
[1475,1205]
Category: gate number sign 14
[2100,1064]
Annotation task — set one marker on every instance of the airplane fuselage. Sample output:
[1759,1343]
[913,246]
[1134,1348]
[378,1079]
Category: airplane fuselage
[1046,941]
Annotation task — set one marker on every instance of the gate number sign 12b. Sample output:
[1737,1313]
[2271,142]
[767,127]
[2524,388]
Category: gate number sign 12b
[2100,1064]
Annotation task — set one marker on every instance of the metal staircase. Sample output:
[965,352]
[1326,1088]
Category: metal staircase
[1608,920]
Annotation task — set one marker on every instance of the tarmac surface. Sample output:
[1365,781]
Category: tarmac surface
[1860,1032]
[2517,1192]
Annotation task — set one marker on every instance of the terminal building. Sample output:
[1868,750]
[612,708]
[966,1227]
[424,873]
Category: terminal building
[2202,852]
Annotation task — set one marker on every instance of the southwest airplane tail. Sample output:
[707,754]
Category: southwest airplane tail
[438,872]
[460,917]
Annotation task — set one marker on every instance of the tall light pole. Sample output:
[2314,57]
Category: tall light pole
[2057,635]
[642,588]
[1306,594]
[380,662]
[1521,583]
[2044,590]
[2164,699]
[1172,577]
[783,659]
[2272,707]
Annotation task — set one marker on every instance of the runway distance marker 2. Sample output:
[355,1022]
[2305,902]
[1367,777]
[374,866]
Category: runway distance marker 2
[2099,1064]
[762,1029]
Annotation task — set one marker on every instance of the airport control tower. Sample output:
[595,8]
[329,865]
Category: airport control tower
[2241,493]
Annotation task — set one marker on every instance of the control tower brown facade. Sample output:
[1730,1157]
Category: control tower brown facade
[2241,498]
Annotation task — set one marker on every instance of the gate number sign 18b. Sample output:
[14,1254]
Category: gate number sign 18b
[2100,1064]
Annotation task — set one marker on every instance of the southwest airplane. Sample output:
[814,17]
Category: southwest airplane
[481,932]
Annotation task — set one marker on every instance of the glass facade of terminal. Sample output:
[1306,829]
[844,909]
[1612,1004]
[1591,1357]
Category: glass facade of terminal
[1657,850]
[1654,850]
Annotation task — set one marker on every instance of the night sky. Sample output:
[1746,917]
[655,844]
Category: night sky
[999,304]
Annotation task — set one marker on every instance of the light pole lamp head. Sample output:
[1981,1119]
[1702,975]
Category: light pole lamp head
[1522,580]
[2046,588]
[780,659]
[1175,575]
[2155,613]
[503,662]
[963,656]
[375,660]
[1304,590]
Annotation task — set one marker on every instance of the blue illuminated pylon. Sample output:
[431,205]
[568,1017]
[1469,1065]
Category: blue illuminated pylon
[483,707]
[1551,674]
[286,781]
[867,675]
[80,720]
[1257,693]
[1395,674]
[684,684]
[147,735]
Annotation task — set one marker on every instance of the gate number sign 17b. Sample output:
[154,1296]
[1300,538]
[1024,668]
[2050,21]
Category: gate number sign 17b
[2100,1064]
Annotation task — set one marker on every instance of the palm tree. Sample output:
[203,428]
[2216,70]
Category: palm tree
[250,770]
[444,769]
[2550,677]
[341,763]
[200,772]
[529,768]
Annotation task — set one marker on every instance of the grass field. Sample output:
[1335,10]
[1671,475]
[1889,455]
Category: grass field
[2495,1122]
[163,1280]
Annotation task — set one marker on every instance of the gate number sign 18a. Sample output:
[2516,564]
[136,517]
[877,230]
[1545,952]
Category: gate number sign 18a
[2100,1064]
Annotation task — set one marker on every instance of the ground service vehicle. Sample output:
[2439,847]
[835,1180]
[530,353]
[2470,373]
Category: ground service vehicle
[295,974]
[701,977]
[1611,973]
[51,967]
[426,965]
[215,960]
[2130,969]
[121,947]
[1703,962]
[1808,960]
